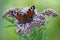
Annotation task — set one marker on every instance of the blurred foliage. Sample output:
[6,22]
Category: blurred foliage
[52,31]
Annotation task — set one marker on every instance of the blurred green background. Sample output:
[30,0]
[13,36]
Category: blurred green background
[52,31]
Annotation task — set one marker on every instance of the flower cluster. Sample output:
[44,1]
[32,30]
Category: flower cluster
[38,19]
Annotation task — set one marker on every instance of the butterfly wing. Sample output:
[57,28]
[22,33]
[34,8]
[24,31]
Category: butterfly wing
[29,14]
[26,17]
[21,17]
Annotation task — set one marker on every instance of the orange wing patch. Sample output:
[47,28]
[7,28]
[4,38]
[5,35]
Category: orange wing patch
[21,18]
[29,15]
[29,12]
[18,16]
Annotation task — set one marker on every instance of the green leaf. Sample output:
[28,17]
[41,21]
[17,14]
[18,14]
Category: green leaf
[33,33]
[2,28]
[10,20]
[10,25]
[23,36]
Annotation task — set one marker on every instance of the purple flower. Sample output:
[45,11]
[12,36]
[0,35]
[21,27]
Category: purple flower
[24,28]
[39,19]
[49,12]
